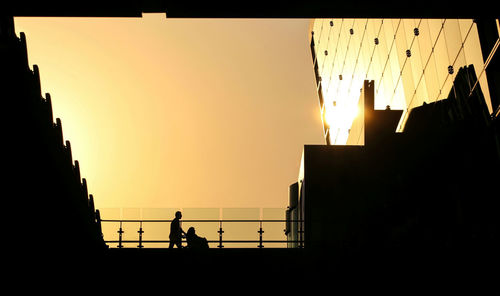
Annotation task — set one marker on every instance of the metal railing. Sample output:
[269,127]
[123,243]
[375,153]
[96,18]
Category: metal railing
[140,241]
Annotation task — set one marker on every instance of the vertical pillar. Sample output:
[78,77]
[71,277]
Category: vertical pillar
[140,246]
[220,234]
[120,236]
[260,236]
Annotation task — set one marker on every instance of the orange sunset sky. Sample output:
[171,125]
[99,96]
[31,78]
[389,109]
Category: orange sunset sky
[180,112]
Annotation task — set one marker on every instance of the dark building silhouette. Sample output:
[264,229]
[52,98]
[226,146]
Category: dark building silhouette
[423,191]
[45,199]
[426,191]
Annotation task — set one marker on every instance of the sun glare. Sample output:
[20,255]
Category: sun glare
[340,116]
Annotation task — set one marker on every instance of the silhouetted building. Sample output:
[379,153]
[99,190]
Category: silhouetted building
[49,211]
[420,180]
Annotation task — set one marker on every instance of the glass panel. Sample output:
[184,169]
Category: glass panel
[420,95]
[401,43]
[369,48]
[386,42]
[417,60]
[417,72]
[398,101]
[156,230]
[394,72]
[321,45]
[435,26]
[319,33]
[326,70]
[439,56]
[367,45]
[389,85]
[339,60]
[406,71]
[453,40]
[110,213]
[426,44]
[359,35]
[393,66]
[341,97]
[350,60]
[431,79]
[316,30]
[327,52]
[410,25]
[382,97]
[342,136]
[274,230]
[358,71]
[130,228]
[408,82]
[334,58]
[159,213]
[240,230]
[465,27]
[379,59]
[442,63]
[333,135]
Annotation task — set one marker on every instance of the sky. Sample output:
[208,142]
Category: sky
[180,113]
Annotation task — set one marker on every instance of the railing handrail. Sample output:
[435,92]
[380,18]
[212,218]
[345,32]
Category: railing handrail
[209,241]
[141,241]
[199,220]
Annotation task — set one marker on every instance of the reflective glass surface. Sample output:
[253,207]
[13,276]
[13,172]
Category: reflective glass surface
[412,61]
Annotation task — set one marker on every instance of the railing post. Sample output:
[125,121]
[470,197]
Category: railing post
[260,235]
[220,234]
[120,232]
[140,236]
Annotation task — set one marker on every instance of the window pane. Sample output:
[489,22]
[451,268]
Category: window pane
[442,63]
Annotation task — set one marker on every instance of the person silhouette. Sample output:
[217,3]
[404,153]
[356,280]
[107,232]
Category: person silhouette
[194,241]
[176,231]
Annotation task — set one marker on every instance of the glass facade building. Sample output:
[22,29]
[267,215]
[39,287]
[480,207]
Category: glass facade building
[411,61]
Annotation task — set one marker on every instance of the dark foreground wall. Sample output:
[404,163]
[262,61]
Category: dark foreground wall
[48,211]
[251,9]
